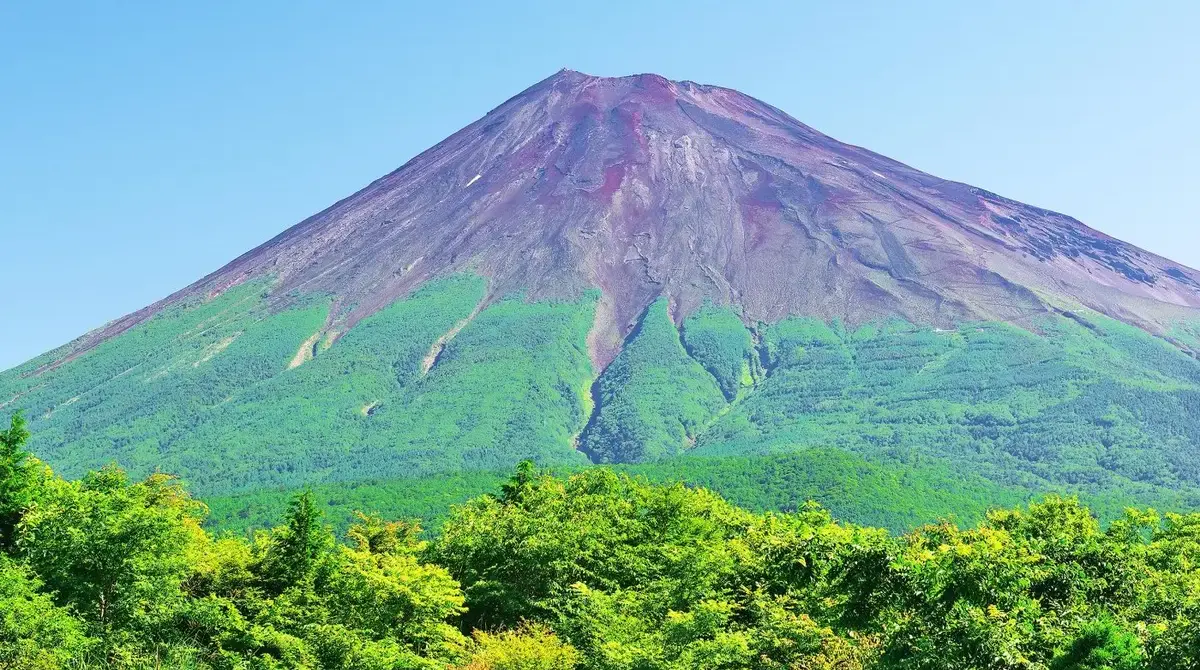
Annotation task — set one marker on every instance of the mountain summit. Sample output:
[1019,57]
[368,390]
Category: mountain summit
[645,187]
[641,270]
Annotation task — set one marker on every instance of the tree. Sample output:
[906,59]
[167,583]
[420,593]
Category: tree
[394,597]
[530,647]
[1102,645]
[18,478]
[35,634]
[117,553]
[521,481]
[298,547]
[375,535]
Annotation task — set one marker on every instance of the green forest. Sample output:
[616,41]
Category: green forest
[890,493]
[723,494]
[596,569]
[247,394]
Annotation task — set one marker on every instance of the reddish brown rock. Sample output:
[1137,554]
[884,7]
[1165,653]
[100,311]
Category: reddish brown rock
[643,187]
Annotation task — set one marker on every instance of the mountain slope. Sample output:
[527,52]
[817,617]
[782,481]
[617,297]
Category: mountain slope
[635,269]
[642,187]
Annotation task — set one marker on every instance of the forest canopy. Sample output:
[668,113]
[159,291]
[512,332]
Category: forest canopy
[595,570]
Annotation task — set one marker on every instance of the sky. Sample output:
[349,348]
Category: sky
[145,144]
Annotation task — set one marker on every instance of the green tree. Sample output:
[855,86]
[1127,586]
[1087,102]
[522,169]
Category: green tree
[35,634]
[522,479]
[375,604]
[19,478]
[117,554]
[392,596]
[297,549]
[1102,645]
[530,647]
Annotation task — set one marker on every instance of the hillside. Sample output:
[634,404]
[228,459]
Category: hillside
[633,271]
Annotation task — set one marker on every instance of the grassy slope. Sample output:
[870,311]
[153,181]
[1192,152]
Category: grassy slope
[207,390]
[716,338]
[512,384]
[653,398]
[1105,406]
[131,398]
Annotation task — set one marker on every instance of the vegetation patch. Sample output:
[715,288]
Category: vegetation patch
[592,571]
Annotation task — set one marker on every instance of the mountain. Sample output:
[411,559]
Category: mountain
[640,270]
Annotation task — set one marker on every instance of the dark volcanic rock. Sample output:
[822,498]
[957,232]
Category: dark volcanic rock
[644,187]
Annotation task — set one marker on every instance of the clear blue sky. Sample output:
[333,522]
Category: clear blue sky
[144,144]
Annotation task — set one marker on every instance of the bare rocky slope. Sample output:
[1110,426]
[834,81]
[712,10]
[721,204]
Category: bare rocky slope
[644,187]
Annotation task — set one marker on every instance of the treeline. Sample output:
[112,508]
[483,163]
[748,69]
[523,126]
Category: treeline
[598,570]
[883,492]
